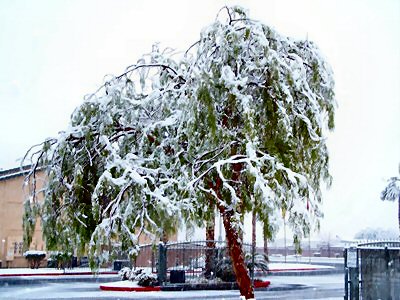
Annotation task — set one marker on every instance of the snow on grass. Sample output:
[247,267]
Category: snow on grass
[122,284]
[296,267]
[45,271]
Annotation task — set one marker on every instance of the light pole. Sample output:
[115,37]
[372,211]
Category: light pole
[220,228]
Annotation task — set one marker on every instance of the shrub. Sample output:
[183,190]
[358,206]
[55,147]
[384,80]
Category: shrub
[146,279]
[224,269]
[62,260]
[34,258]
[125,273]
[143,278]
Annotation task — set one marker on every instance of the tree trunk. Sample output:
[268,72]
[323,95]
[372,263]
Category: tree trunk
[266,246]
[241,212]
[237,256]
[210,248]
[164,237]
[253,243]
[235,247]
[253,229]
[284,237]
[266,236]
[399,213]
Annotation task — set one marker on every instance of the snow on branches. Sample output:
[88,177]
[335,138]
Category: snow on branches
[239,118]
[261,102]
[110,174]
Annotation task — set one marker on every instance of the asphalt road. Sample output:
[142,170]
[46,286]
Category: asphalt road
[295,287]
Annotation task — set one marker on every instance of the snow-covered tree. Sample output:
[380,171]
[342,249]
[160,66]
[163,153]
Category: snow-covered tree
[376,234]
[392,192]
[110,171]
[236,124]
[259,105]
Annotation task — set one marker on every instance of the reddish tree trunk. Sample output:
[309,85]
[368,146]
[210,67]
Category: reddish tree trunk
[237,256]
[235,247]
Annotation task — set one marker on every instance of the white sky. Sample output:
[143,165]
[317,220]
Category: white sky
[52,53]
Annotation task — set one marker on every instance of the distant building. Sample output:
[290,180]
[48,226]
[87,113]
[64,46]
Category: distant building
[12,196]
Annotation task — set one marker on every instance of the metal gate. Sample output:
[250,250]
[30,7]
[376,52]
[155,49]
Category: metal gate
[372,271]
[189,260]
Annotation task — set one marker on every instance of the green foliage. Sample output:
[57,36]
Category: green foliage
[238,123]
[272,100]
[28,223]
[61,259]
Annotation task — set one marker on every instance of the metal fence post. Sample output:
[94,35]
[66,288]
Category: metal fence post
[352,263]
[387,281]
[346,276]
[162,263]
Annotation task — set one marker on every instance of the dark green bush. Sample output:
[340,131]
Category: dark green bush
[34,258]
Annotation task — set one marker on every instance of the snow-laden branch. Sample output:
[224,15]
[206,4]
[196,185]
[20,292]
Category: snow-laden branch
[240,122]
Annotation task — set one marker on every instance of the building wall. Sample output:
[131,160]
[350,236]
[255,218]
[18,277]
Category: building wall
[12,196]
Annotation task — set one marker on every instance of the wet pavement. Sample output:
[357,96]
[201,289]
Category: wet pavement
[295,287]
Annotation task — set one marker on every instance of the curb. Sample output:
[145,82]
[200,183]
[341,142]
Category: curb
[131,289]
[184,287]
[30,280]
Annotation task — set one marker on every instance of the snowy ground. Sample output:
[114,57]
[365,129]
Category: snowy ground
[273,266]
[306,259]
[296,266]
[312,287]
[315,287]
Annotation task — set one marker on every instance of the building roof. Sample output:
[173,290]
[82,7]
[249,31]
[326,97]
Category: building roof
[15,172]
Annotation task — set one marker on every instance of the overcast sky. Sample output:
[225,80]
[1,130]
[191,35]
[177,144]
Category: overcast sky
[52,53]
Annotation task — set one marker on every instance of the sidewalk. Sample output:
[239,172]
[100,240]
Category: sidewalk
[26,276]
[277,267]
[299,269]
[12,272]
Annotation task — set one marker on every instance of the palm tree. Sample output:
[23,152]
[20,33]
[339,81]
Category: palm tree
[392,192]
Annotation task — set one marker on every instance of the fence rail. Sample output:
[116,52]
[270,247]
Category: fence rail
[380,244]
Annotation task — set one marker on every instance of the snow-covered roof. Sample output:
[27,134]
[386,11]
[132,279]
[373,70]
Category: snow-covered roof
[34,252]
[15,172]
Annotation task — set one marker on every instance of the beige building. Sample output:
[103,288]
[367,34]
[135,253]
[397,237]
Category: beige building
[12,196]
